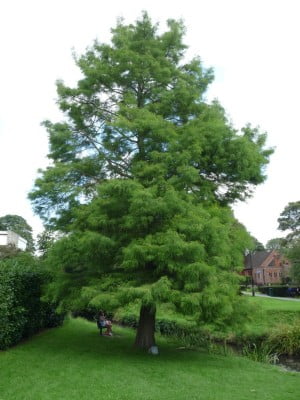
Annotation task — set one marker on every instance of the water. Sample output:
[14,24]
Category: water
[289,363]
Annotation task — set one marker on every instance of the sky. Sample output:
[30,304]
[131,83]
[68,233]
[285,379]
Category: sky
[253,46]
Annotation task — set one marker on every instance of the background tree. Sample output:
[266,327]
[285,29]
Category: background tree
[293,254]
[142,177]
[8,251]
[276,244]
[20,226]
[290,220]
[257,245]
[45,240]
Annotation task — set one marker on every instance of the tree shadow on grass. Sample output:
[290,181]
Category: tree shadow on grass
[78,338]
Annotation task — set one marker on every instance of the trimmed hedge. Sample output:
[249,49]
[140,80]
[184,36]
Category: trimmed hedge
[280,290]
[190,336]
[22,312]
[163,326]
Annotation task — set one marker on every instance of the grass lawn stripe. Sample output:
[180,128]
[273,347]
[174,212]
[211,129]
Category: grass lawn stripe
[74,362]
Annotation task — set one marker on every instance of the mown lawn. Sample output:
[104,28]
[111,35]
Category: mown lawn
[269,303]
[74,362]
[268,313]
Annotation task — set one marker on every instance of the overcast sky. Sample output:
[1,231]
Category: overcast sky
[253,45]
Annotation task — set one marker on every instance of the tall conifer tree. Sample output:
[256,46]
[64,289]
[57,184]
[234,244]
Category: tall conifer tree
[142,177]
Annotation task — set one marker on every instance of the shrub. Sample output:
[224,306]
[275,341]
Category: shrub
[22,312]
[285,338]
[86,313]
[261,352]
[190,336]
[129,320]
[274,290]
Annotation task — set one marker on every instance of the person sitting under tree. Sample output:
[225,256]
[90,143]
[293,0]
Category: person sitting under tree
[102,322]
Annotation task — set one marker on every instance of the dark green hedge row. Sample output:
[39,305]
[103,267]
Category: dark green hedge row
[165,327]
[162,326]
[189,336]
[22,312]
[280,290]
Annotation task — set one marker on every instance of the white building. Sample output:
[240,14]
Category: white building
[13,239]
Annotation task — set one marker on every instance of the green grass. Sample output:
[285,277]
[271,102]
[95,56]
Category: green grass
[74,362]
[269,303]
[267,313]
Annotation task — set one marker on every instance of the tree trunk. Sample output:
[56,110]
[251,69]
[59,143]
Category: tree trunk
[146,328]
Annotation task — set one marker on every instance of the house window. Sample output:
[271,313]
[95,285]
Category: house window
[280,273]
[275,274]
[270,274]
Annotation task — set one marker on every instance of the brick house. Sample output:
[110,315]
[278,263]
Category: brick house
[266,267]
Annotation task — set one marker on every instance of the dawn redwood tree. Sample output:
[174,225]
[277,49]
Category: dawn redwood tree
[142,177]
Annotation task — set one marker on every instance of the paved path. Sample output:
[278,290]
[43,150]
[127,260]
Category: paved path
[271,297]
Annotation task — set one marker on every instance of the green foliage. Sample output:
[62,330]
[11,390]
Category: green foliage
[45,240]
[266,315]
[285,338]
[22,312]
[257,246]
[274,290]
[139,113]
[8,251]
[290,220]
[138,256]
[276,244]
[18,225]
[142,177]
[263,352]
[293,253]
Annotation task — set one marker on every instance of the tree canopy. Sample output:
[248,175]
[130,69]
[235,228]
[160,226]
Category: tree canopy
[289,220]
[257,245]
[139,112]
[276,244]
[142,177]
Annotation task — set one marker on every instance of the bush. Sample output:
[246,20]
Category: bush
[190,336]
[262,352]
[22,312]
[87,313]
[129,320]
[285,339]
[274,290]
[165,327]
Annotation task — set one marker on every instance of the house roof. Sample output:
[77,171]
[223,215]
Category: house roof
[255,259]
